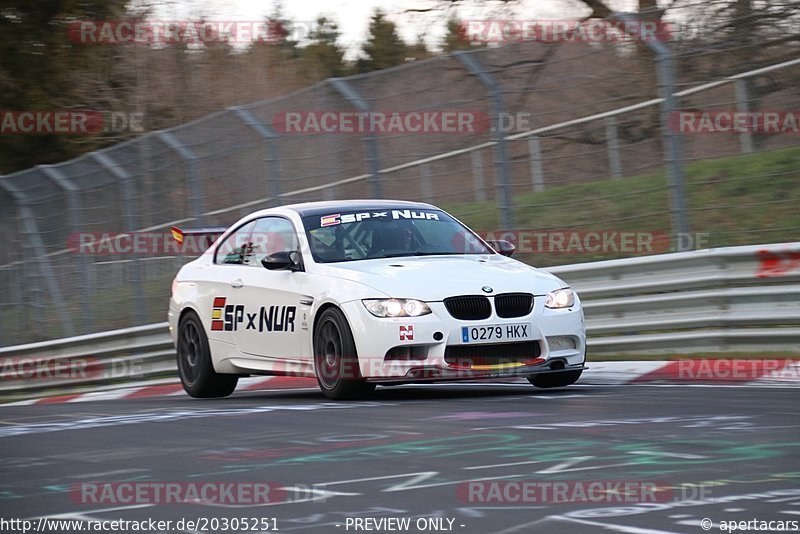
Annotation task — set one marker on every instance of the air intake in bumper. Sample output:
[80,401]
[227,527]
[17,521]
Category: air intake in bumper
[497,354]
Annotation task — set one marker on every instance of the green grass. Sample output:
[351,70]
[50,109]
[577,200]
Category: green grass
[732,201]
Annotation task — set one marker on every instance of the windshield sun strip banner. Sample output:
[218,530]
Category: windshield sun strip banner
[346,218]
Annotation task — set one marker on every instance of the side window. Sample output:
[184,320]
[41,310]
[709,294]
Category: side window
[237,247]
[270,235]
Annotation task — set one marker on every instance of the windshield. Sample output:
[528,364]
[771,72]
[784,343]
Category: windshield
[364,235]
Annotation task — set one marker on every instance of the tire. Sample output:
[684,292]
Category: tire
[335,358]
[555,380]
[197,373]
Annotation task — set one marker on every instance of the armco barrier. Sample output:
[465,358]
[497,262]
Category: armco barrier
[727,299]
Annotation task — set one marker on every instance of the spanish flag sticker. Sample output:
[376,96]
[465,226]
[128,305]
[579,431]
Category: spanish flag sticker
[177,234]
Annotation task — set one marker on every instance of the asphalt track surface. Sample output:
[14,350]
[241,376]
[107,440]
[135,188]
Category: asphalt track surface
[722,453]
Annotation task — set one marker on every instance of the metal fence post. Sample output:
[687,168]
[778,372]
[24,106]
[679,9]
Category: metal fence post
[673,149]
[478,181]
[370,140]
[743,106]
[130,224]
[71,191]
[42,261]
[673,146]
[612,144]
[425,186]
[190,159]
[271,161]
[537,171]
[501,151]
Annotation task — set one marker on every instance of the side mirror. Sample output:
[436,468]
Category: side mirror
[506,248]
[282,261]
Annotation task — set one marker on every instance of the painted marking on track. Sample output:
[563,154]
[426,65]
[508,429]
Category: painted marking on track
[551,397]
[522,526]
[692,523]
[82,517]
[610,526]
[154,391]
[504,465]
[158,416]
[59,399]
[21,403]
[411,484]
[109,473]
[785,499]
[670,455]
[477,511]
[705,419]
[468,416]
[103,395]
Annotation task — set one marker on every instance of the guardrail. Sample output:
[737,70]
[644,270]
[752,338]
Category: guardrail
[728,299]
[117,356]
[744,299]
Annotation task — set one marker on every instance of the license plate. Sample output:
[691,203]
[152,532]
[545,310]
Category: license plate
[489,333]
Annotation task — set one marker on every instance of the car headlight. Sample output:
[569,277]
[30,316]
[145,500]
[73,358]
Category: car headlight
[560,298]
[396,307]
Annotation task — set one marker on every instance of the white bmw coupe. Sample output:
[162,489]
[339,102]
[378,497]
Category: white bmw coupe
[365,293]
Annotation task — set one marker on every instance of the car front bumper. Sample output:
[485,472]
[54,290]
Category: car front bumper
[414,349]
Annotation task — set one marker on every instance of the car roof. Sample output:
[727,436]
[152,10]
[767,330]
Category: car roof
[333,206]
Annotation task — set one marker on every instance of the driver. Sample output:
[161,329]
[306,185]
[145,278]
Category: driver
[395,236]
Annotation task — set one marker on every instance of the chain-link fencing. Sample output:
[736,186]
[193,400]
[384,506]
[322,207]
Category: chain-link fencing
[579,140]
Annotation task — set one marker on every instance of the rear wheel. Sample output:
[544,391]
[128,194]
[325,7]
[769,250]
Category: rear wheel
[335,358]
[555,380]
[194,362]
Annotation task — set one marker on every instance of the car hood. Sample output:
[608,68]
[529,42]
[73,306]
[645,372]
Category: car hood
[433,278]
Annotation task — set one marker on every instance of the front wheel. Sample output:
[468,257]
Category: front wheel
[194,362]
[555,380]
[335,358]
